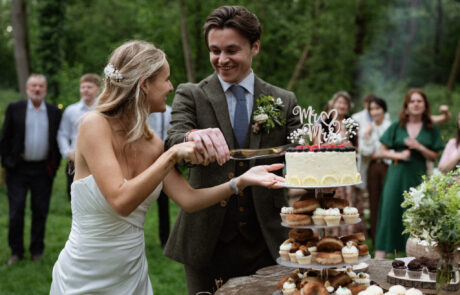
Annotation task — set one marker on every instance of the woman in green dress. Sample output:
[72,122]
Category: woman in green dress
[409,142]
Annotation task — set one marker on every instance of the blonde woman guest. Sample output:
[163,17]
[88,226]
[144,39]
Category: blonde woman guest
[369,149]
[415,139]
[120,169]
[450,158]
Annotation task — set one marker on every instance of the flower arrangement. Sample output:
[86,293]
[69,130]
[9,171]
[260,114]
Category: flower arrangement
[267,114]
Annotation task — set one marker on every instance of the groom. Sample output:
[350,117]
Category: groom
[242,234]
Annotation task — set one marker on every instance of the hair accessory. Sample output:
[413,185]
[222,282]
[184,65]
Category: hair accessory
[112,73]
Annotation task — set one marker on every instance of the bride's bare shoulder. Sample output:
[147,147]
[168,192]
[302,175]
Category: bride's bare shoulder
[94,121]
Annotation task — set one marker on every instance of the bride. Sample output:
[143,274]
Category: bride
[120,169]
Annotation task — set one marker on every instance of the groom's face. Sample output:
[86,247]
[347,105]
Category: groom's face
[231,54]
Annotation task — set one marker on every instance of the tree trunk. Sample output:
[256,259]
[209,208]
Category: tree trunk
[360,31]
[438,28]
[185,43]
[21,52]
[454,70]
[412,34]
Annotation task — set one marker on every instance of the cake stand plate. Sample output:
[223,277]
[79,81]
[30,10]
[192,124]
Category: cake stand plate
[320,266]
[342,224]
[319,186]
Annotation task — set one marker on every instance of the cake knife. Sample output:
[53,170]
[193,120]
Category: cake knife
[249,154]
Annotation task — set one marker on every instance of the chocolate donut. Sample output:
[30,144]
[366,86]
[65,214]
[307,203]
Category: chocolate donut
[314,288]
[363,250]
[301,235]
[341,279]
[329,244]
[335,203]
[356,237]
[304,206]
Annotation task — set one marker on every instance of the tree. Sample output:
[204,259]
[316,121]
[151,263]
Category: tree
[185,43]
[21,52]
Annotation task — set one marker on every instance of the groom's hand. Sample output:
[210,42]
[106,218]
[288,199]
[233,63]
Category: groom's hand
[210,142]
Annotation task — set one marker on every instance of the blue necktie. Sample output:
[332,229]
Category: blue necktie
[240,119]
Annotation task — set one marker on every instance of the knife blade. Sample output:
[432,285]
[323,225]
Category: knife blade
[249,154]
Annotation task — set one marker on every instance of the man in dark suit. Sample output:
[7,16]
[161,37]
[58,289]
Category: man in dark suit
[243,233]
[30,155]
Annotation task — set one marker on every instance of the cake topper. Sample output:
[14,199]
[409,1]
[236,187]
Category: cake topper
[312,127]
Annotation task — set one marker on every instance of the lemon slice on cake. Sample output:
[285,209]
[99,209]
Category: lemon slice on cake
[357,177]
[293,180]
[329,180]
[310,180]
[347,179]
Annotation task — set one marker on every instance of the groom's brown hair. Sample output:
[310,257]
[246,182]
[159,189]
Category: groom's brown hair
[235,17]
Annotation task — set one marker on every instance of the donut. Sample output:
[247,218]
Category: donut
[298,219]
[363,250]
[307,280]
[314,288]
[304,206]
[329,244]
[341,279]
[301,235]
[356,237]
[311,244]
[356,288]
[329,257]
[335,203]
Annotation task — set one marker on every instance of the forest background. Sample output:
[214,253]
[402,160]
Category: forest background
[312,47]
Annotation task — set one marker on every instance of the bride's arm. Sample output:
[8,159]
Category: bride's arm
[192,200]
[94,145]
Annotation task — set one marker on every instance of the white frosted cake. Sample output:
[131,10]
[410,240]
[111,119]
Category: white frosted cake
[331,165]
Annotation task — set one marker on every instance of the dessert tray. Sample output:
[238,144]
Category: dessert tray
[320,266]
[319,186]
[312,226]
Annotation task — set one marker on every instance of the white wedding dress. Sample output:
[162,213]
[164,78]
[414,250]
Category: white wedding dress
[105,252]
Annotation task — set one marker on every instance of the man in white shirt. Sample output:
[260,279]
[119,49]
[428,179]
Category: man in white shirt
[159,122]
[68,129]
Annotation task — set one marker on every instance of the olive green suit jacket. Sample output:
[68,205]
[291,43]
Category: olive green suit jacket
[204,105]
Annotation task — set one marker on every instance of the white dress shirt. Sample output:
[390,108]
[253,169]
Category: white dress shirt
[36,133]
[68,129]
[248,85]
[159,122]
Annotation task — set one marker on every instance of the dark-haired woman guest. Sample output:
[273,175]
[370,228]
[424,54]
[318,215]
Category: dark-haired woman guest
[414,139]
[451,156]
[369,149]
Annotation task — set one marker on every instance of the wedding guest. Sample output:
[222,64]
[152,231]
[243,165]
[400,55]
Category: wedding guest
[120,169]
[414,139]
[159,122]
[369,149]
[363,117]
[450,158]
[242,233]
[68,130]
[30,154]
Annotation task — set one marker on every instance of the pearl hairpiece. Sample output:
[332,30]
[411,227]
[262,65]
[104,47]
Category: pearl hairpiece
[112,73]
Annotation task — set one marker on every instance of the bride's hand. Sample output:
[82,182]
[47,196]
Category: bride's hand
[261,176]
[187,152]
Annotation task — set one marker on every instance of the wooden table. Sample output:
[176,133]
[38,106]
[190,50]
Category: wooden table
[264,280]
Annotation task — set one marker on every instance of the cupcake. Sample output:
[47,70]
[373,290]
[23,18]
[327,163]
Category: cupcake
[303,257]
[318,216]
[332,217]
[350,253]
[292,251]
[351,273]
[328,287]
[375,290]
[285,211]
[289,287]
[397,290]
[363,279]
[342,291]
[413,291]
[313,250]
[432,267]
[414,269]
[399,268]
[284,249]
[350,215]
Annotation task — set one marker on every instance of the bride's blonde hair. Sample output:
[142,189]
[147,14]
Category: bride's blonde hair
[122,97]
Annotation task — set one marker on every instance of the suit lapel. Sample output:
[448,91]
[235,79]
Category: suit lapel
[213,90]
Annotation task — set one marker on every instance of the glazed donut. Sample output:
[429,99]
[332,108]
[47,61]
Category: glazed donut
[329,244]
[314,288]
[341,279]
[298,219]
[356,288]
[356,237]
[335,203]
[363,250]
[329,257]
[301,235]
[304,206]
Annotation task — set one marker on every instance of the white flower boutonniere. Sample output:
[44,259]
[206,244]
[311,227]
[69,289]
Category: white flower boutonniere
[267,114]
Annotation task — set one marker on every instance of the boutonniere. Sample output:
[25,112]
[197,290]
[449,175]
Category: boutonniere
[267,114]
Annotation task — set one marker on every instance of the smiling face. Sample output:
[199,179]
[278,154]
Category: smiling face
[416,105]
[88,92]
[157,89]
[231,54]
[36,89]
[377,112]
[341,105]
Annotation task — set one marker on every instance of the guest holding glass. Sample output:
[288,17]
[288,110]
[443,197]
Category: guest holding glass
[450,158]
[371,157]
[414,139]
